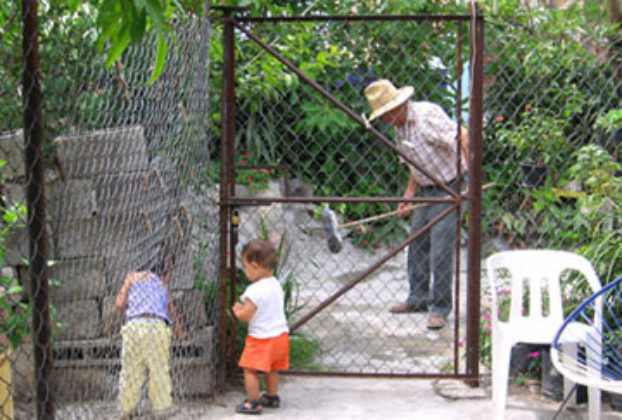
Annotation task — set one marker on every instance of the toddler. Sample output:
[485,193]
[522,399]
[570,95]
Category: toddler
[146,338]
[267,344]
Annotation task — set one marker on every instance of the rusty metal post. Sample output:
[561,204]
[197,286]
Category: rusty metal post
[227,185]
[459,155]
[475,188]
[33,139]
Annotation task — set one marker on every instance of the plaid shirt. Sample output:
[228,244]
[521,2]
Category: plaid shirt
[428,138]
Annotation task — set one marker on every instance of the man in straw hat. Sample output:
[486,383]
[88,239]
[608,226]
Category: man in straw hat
[427,136]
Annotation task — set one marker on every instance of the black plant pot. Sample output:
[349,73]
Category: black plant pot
[615,400]
[533,175]
[552,381]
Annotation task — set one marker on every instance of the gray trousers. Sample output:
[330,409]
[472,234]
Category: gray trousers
[431,256]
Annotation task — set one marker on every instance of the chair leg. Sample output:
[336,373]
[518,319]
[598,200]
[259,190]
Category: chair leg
[571,350]
[593,401]
[500,374]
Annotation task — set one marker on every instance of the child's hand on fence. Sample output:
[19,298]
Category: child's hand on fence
[236,308]
[179,334]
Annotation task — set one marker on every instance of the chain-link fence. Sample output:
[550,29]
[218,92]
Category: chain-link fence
[119,192]
[129,172]
[300,141]
[548,146]
[549,161]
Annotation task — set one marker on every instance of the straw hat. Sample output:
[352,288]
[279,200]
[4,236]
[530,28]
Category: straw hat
[383,96]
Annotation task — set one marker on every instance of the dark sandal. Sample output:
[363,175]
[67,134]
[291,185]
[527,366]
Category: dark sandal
[270,401]
[249,407]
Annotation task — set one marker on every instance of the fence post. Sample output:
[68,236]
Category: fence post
[33,138]
[227,190]
[475,188]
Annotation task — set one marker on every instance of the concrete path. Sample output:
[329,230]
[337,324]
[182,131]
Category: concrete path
[327,398]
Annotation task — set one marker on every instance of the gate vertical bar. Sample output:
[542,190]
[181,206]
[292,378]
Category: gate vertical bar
[227,188]
[475,188]
[33,139]
[459,156]
[227,331]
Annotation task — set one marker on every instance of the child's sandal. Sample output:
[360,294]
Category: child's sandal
[249,407]
[270,401]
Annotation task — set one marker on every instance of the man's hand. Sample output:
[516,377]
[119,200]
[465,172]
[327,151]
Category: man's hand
[404,209]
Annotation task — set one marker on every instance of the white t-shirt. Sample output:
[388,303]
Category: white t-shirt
[269,319]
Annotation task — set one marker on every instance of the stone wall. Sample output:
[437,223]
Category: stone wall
[110,207]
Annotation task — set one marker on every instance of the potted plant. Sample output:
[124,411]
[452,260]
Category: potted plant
[533,174]
[537,137]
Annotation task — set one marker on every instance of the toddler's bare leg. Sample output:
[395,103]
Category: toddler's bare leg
[251,383]
[272,382]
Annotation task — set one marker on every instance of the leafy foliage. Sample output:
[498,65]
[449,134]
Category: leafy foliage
[15,315]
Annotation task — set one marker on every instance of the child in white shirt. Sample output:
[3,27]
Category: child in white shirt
[267,344]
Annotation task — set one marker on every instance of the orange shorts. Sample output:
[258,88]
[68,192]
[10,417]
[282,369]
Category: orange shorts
[266,354]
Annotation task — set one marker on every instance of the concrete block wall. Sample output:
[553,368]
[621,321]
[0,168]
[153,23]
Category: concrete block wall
[110,206]
[91,368]
[12,151]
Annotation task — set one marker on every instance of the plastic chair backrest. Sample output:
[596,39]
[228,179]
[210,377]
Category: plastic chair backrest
[530,273]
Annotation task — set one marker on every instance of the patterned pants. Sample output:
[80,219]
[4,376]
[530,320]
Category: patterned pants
[145,352]
[6,396]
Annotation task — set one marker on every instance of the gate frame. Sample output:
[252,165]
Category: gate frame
[229,219]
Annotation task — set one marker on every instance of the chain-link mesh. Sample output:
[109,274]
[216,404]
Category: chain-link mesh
[542,107]
[555,165]
[547,86]
[126,189]
[131,168]
[326,153]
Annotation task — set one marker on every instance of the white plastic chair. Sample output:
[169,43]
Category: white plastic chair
[528,273]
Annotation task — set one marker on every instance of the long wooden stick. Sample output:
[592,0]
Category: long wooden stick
[395,212]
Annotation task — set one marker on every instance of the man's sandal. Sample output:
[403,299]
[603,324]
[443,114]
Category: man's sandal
[270,401]
[249,407]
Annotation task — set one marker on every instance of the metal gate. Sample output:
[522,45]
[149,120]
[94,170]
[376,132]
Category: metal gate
[306,145]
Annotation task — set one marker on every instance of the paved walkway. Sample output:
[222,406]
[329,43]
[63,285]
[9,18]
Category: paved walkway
[327,398]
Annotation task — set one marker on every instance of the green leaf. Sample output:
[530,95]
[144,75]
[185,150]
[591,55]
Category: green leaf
[138,24]
[118,45]
[156,14]
[160,60]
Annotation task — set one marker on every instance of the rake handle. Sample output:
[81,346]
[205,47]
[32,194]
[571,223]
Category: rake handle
[395,212]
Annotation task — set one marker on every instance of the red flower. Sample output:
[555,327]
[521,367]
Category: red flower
[364,243]
[250,179]
[378,245]
[242,161]
[528,107]
[244,155]
[500,118]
